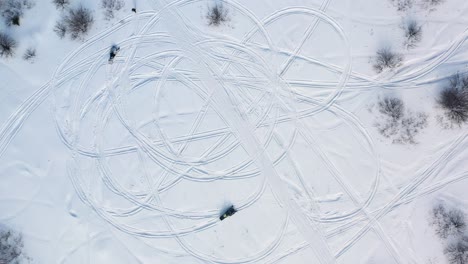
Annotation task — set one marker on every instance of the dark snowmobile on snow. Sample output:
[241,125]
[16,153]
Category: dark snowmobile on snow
[113,52]
[229,212]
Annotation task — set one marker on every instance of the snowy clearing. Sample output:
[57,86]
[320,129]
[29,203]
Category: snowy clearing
[336,129]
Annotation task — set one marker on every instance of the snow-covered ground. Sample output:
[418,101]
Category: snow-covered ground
[274,111]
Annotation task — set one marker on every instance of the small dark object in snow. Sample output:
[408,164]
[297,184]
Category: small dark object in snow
[134,10]
[113,52]
[229,212]
[15,20]
[217,15]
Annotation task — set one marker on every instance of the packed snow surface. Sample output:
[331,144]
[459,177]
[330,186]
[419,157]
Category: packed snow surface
[274,110]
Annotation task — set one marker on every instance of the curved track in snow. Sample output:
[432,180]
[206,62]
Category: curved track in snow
[251,98]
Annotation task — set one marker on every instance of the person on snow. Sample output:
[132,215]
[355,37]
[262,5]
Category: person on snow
[113,52]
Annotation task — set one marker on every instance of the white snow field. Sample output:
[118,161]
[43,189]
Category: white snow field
[274,111]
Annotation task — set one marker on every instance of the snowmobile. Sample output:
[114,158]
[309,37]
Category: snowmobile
[113,52]
[229,212]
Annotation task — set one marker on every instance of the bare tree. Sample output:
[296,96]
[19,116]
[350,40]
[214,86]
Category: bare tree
[392,107]
[79,21]
[403,5]
[457,251]
[60,28]
[11,247]
[431,4]
[454,99]
[110,6]
[413,33]
[397,124]
[411,125]
[30,54]
[448,222]
[217,15]
[13,10]
[386,59]
[61,4]
[7,45]
[434,2]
